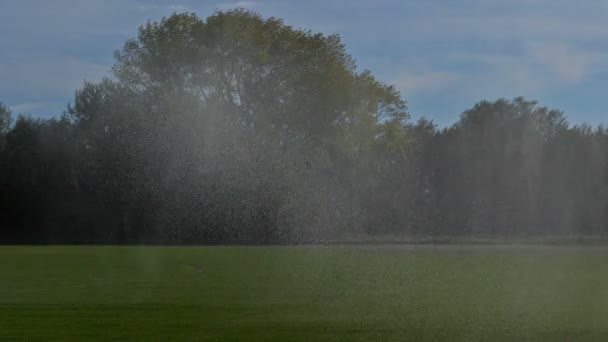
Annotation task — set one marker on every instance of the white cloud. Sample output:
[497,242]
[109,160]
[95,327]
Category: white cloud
[562,61]
[179,8]
[238,4]
[428,81]
[23,108]
[511,73]
[513,20]
[51,76]
[146,8]
[540,65]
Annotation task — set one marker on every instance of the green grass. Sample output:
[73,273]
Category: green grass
[303,293]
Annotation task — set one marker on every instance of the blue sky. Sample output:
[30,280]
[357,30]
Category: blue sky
[443,55]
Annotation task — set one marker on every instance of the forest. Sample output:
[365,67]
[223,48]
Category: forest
[241,129]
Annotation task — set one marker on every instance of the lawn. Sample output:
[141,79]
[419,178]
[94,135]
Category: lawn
[303,293]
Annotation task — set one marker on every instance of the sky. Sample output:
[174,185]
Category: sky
[442,55]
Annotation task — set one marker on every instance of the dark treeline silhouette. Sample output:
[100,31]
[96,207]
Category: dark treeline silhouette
[239,129]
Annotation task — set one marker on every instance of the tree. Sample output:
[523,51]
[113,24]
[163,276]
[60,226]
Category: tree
[240,129]
[5,123]
[234,107]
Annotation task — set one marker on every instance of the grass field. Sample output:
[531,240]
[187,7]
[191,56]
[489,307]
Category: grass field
[303,293]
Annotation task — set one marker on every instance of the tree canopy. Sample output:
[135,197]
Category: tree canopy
[242,129]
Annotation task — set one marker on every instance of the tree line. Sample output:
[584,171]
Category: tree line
[241,129]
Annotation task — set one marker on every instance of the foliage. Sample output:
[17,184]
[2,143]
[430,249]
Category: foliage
[240,129]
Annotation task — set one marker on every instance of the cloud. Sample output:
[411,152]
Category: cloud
[561,60]
[238,4]
[50,75]
[29,107]
[146,8]
[179,8]
[513,73]
[539,65]
[512,20]
[428,81]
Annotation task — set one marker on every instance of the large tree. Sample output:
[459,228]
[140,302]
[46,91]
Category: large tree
[236,125]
